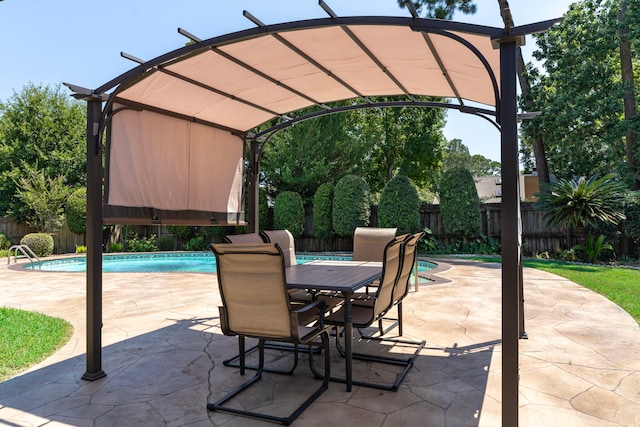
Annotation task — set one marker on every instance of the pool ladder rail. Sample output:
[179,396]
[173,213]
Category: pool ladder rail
[26,253]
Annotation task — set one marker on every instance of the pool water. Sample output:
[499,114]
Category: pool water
[164,262]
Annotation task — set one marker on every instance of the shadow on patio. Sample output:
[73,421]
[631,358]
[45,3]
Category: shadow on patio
[166,376]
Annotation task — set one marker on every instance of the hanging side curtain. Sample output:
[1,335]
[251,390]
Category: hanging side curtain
[165,170]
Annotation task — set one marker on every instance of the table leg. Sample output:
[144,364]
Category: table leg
[348,338]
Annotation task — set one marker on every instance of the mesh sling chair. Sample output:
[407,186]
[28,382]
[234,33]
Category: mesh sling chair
[368,308]
[401,289]
[369,244]
[253,288]
[285,240]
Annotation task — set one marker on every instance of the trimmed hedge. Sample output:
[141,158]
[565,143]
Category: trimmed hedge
[40,243]
[399,205]
[322,208]
[351,207]
[288,212]
[76,211]
[459,203]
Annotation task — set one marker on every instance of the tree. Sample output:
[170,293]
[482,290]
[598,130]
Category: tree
[400,141]
[456,154]
[441,9]
[310,153]
[581,203]
[629,18]
[46,198]
[580,94]
[41,130]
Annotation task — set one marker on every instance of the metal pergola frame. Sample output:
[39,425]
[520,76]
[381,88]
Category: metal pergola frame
[99,105]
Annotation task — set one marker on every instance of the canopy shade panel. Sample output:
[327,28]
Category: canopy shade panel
[161,169]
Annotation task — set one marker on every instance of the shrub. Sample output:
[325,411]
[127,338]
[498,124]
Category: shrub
[144,244]
[5,243]
[593,248]
[81,249]
[76,211]
[459,203]
[582,202]
[40,243]
[399,205]
[165,243]
[196,244]
[632,212]
[351,207]
[322,207]
[183,232]
[115,247]
[288,212]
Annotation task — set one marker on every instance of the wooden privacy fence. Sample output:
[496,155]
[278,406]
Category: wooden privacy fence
[64,241]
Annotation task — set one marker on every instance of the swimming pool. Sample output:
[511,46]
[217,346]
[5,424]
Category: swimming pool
[165,262]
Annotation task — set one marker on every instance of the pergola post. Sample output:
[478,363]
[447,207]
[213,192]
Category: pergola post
[94,242]
[254,194]
[510,233]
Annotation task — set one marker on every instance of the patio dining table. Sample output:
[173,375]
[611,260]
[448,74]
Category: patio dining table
[336,276]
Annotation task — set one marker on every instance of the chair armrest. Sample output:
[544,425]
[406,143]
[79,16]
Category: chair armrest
[317,304]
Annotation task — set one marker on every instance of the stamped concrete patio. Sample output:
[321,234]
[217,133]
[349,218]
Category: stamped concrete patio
[163,354]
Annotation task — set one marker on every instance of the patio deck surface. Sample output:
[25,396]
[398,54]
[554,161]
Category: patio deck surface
[163,353]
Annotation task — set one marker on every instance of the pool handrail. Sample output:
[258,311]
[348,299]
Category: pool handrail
[26,252]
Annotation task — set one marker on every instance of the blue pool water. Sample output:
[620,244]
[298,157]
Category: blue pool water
[158,262]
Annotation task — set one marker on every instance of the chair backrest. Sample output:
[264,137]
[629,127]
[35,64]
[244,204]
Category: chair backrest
[244,238]
[409,255]
[391,265]
[369,243]
[253,288]
[285,240]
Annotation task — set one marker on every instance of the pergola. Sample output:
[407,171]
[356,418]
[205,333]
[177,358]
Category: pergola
[177,126]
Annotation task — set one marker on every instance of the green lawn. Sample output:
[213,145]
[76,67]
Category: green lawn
[619,284]
[27,338]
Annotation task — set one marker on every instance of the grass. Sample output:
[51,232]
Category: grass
[619,284]
[27,338]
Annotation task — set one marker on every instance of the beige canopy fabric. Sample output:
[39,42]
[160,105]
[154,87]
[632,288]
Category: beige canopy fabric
[243,83]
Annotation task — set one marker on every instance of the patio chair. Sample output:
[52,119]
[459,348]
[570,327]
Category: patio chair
[243,238]
[401,290]
[285,240]
[369,244]
[367,309]
[253,288]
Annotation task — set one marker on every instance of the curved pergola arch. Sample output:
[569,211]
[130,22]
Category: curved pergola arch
[174,116]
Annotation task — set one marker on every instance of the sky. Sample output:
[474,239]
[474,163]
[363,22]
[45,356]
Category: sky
[47,42]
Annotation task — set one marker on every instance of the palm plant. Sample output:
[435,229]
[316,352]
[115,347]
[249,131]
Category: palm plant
[582,202]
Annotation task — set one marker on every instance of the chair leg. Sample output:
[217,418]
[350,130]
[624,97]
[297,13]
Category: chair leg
[238,361]
[217,406]
[399,361]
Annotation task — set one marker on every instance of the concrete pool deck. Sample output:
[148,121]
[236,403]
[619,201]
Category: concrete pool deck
[163,351]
